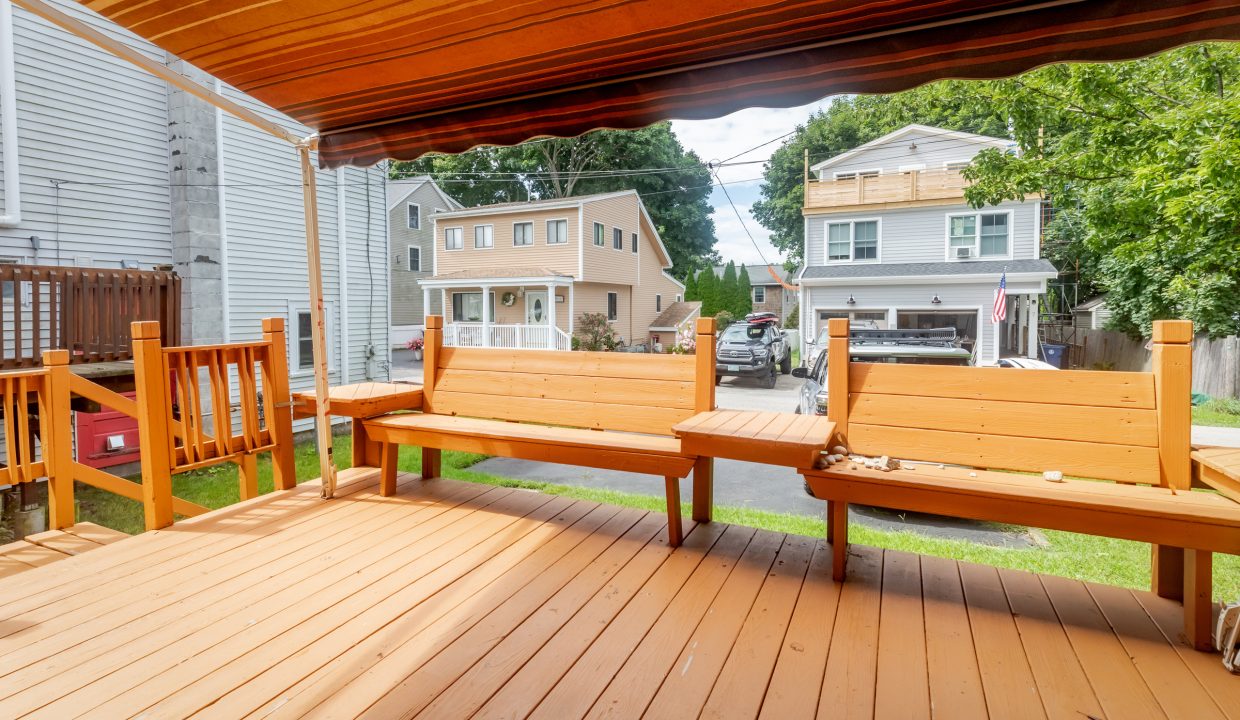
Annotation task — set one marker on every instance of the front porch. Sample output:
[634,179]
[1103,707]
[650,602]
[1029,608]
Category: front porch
[514,308]
[452,599]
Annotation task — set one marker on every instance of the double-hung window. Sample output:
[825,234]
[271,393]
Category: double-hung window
[557,232]
[453,238]
[415,216]
[759,294]
[415,258]
[634,242]
[984,234]
[617,239]
[523,233]
[613,305]
[853,240]
[658,303]
[484,236]
[599,234]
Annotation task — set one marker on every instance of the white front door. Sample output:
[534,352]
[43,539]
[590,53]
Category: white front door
[535,307]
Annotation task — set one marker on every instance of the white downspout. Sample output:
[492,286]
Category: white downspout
[343,260]
[8,121]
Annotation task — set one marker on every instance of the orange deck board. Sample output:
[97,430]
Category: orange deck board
[456,600]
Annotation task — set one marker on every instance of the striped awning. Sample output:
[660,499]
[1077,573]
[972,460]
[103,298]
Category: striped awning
[399,78]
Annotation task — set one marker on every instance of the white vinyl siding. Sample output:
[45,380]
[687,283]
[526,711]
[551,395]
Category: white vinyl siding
[557,232]
[523,233]
[484,236]
[454,238]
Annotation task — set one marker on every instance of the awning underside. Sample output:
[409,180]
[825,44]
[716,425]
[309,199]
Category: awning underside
[394,78]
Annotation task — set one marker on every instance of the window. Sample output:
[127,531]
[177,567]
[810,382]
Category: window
[854,240]
[301,340]
[557,232]
[467,306]
[678,298]
[854,174]
[415,216]
[956,165]
[453,238]
[613,303]
[658,303]
[523,233]
[599,231]
[617,239]
[634,242]
[484,236]
[305,341]
[759,294]
[985,234]
[910,168]
[415,258]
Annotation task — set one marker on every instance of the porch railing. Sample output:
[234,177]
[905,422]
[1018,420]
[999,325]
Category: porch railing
[87,311]
[932,184]
[522,337]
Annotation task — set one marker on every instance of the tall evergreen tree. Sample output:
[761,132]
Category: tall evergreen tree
[708,292]
[727,288]
[691,288]
[744,293]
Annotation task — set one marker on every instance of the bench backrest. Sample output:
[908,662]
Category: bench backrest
[1123,426]
[635,392]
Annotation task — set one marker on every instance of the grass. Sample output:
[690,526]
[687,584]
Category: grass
[1219,412]
[1083,557]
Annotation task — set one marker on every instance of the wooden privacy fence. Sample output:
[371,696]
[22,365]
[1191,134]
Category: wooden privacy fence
[86,311]
[186,397]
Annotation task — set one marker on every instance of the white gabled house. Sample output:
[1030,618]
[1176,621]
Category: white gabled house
[889,239]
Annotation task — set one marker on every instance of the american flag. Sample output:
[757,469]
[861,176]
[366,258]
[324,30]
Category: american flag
[999,311]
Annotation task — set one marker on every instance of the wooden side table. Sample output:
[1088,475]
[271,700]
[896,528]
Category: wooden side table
[359,401]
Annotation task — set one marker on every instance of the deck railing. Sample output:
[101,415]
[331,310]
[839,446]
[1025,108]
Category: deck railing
[186,398]
[87,311]
[885,188]
[513,337]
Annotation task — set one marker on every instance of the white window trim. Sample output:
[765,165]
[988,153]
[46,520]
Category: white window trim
[27,299]
[445,238]
[852,240]
[756,289]
[947,164]
[409,256]
[484,247]
[608,308]
[451,305]
[295,308]
[912,166]
[548,227]
[514,234]
[854,174]
[599,238]
[977,243]
[417,214]
[617,233]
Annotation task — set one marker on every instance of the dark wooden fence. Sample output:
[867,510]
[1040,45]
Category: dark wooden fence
[86,311]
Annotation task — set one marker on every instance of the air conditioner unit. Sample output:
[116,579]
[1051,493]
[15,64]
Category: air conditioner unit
[964,253]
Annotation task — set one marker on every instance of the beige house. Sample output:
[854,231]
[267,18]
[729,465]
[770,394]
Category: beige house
[542,264]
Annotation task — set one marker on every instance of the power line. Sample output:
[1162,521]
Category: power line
[762,145]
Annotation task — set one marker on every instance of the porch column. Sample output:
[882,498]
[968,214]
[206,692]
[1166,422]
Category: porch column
[1032,350]
[550,316]
[570,310]
[426,304]
[486,316]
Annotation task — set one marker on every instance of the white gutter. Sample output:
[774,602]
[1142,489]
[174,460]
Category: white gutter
[343,259]
[8,121]
[221,191]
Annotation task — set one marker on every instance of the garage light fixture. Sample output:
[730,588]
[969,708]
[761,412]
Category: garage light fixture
[935,300]
[852,300]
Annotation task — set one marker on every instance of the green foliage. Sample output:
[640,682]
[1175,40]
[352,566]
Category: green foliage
[1139,159]
[691,287]
[708,288]
[744,293]
[728,288]
[724,318]
[677,200]
[852,121]
[594,332]
[793,321]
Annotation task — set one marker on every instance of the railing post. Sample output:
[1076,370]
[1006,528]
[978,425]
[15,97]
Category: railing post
[837,374]
[58,440]
[431,347]
[704,401]
[278,408]
[154,433]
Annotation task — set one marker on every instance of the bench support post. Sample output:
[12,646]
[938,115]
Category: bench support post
[1198,598]
[366,452]
[387,468]
[431,463]
[1167,571]
[837,535]
[675,531]
[703,489]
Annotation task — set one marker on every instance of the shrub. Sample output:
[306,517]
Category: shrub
[793,321]
[723,318]
[594,333]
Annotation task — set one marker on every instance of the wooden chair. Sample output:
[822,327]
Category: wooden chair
[1130,428]
[595,409]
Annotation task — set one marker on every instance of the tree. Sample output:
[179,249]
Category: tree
[852,121]
[594,332]
[676,194]
[727,288]
[708,291]
[1139,160]
[744,293]
[691,288]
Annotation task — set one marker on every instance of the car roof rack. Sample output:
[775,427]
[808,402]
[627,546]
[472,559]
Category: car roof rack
[943,337]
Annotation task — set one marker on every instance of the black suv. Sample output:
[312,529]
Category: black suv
[753,349]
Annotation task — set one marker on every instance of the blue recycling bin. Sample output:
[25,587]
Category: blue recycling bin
[1055,354]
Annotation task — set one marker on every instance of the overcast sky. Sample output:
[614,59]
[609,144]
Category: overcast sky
[715,140]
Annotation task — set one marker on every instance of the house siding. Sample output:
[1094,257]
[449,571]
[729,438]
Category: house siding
[406,292]
[932,150]
[590,297]
[561,258]
[653,282]
[606,264]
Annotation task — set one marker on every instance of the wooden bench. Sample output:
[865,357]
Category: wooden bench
[1130,428]
[594,409]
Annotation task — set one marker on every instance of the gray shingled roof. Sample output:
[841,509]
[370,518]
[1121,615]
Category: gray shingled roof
[929,269]
[676,313]
[758,274]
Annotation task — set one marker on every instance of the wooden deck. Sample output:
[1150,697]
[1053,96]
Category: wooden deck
[453,600]
[47,547]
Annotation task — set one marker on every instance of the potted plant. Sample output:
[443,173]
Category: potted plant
[416,345]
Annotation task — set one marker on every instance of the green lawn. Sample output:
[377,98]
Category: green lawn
[1104,560]
[1207,415]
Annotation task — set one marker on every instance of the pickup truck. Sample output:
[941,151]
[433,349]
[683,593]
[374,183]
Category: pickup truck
[753,349]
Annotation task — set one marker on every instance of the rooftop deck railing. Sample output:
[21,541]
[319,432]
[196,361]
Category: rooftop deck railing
[885,188]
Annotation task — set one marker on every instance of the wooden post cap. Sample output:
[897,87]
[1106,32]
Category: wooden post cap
[434,322]
[273,324]
[706,326]
[144,330]
[1177,332]
[837,327]
[55,357]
